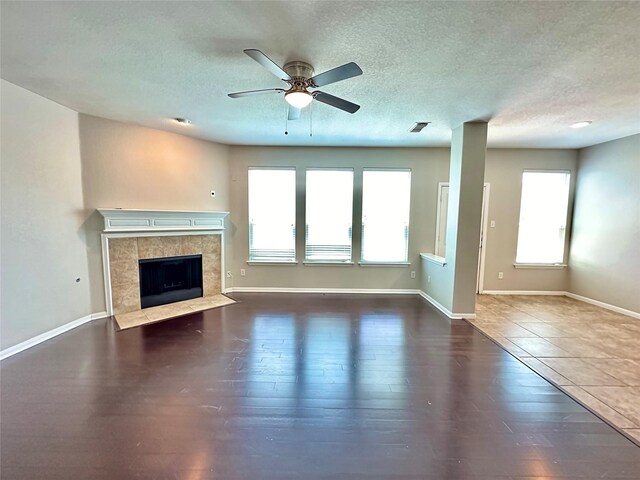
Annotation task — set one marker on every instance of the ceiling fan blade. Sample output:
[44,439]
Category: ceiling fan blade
[336,102]
[294,113]
[267,63]
[337,74]
[256,92]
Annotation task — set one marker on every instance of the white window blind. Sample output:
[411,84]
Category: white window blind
[543,217]
[385,215]
[328,215]
[272,214]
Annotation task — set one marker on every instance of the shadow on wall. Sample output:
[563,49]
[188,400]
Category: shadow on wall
[90,231]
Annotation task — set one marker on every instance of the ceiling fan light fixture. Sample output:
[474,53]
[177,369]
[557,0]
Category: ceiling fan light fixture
[298,98]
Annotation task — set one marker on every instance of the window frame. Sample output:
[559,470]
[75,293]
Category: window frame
[546,265]
[273,261]
[337,262]
[377,263]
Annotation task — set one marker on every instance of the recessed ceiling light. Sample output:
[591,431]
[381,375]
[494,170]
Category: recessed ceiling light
[580,124]
[183,121]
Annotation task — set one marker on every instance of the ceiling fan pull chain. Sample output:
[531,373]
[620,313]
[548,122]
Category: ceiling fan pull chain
[311,119]
[286,120]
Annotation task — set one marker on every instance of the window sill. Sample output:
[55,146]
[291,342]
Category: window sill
[327,263]
[384,264]
[430,257]
[272,262]
[542,266]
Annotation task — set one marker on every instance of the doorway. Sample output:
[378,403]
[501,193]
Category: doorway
[441,228]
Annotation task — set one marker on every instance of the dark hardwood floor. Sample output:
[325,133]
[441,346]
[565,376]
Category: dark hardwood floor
[306,387]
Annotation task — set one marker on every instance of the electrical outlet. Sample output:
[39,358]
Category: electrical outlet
[243,272]
[213,193]
[492,224]
[229,274]
[413,274]
[428,278]
[500,275]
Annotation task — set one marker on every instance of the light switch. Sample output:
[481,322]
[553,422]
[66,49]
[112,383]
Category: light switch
[492,224]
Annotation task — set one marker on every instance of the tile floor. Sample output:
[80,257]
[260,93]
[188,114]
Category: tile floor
[591,353]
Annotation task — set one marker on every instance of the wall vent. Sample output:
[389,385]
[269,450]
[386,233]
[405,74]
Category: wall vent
[417,128]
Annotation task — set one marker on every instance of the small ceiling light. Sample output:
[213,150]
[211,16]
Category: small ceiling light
[183,121]
[580,124]
[298,98]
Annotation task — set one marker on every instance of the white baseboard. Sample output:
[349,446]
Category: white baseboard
[443,309]
[375,291]
[523,292]
[43,337]
[598,303]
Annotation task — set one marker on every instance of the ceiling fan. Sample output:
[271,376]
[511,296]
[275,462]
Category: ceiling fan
[300,77]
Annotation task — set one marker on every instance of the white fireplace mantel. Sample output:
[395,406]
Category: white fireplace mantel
[129,220]
[121,223]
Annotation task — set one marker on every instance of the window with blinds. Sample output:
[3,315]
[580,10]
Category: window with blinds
[272,215]
[543,217]
[329,211]
[385,215]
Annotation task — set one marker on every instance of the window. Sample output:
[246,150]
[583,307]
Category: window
[385,215]
[328,215]
[272,215]
[543,217]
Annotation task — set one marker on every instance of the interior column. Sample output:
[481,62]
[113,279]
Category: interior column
[466,183]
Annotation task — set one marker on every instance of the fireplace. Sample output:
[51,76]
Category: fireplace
[126,254]
[133,235]
[170,279]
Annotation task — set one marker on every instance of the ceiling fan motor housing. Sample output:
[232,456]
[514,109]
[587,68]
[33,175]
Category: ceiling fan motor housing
[298,69]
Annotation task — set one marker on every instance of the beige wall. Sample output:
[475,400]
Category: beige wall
[70,166]
[43,247]
[428,167]
[605,245]
[129,166]
[503,172]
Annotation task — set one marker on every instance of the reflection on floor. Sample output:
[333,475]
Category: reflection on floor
[591,353]
[290,387]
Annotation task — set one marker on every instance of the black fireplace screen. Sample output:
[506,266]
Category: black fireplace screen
[169,280]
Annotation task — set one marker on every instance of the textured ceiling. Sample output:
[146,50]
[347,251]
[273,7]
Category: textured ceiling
[529,68]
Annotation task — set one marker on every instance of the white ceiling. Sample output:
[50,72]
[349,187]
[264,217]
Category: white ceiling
[529,68]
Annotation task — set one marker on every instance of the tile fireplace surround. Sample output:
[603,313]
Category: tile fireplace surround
[133,235]
[124,254]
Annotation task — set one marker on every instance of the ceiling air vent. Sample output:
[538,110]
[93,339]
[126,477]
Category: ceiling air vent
[417,128]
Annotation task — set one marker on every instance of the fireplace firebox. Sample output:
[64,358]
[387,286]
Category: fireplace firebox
[170,279]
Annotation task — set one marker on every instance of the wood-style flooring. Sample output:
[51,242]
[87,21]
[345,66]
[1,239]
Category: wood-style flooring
[280,387]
